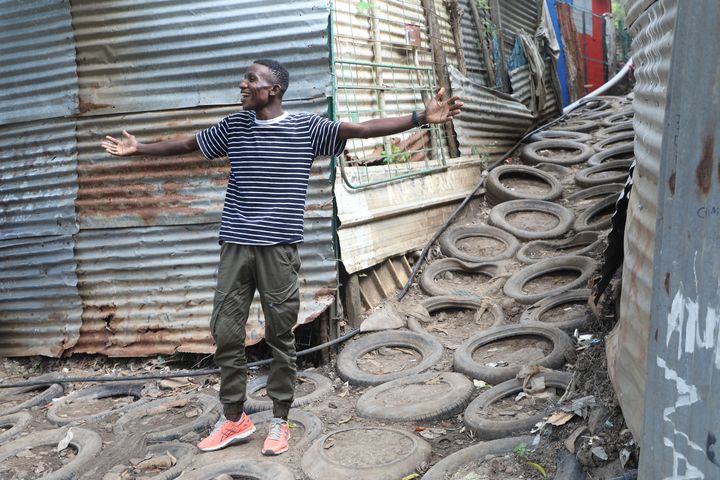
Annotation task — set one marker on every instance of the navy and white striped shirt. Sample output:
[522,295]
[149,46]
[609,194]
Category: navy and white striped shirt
[269,171]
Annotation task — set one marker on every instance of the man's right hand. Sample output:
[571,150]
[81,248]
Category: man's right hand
[122,147]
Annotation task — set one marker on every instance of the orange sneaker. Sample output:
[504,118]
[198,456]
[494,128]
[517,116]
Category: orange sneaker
[277,440]
[227,432]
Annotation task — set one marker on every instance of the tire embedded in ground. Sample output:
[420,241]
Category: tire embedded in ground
[427,346]
[530,155]
[583,243]
[499,213]
[557,171]
[490,269]
[487,429]
[202,422]
[620,152]
[183,454]
[622,139]
[584,220]
[312,426]
[455,462]
[44,396]
[496,192]
[514,287]
[17,422]
[465,363]
[535,312]
[427,404]
[579,125]
[596,191]
[449,243]
[620,117]
[323,386]
[96,392]
[379,453]
[445,302]
[560,135]
[590,176]
[245,469]
[87,444]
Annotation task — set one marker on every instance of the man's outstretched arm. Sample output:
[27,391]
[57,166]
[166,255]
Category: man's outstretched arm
[128,145]
[436,111]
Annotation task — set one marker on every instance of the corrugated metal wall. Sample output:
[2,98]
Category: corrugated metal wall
[118,256]
[627,345]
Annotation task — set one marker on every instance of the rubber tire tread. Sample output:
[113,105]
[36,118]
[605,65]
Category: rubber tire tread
[311,424]
[19,422]
[445,302]
[454,462]
[514,286]
[591,239]
[534,313]
[596,191]
[582,221]
[132,389]
[495,189]
[323,386]
[579,125]
[318,467]
[560,135]
[583,177]
[210,414]
[486,429]
[565,216]
[491,269]
[255,469]
[54,390]
[87,443]
[428,346]
[448,242]
[611,153]
[616,140]
[464,363]
[438,407]
[529,155]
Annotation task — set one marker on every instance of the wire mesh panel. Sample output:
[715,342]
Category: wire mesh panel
[383,67]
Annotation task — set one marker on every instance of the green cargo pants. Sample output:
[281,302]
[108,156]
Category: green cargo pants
[273,271]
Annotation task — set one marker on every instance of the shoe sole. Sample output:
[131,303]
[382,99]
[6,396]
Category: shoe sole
[229,441]
[271,453]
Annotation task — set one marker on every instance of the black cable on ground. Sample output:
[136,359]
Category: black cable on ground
[179,373]
[436,235]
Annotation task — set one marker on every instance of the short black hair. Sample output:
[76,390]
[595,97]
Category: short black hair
[282,77]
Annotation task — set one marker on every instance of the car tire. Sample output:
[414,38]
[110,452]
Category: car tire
[514,286]
[529,154]
[619,152]
[560,135]
[535,312]
[584,243]
[491,269]
[584,222]
[249,469]
[323,386]
[499,213]
[587,178]
[130,389]
[18,423]
[43,397]
[499,193]
[449,243]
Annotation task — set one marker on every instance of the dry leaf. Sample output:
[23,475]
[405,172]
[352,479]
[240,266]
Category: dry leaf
[560,418]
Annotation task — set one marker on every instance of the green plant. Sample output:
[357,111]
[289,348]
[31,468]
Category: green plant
[522,451]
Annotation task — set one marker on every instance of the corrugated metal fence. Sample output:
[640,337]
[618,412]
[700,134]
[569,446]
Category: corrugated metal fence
[118,256]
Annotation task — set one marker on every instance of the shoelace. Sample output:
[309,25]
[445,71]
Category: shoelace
[275,429]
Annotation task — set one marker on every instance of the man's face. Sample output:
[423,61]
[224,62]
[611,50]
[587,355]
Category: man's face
[255,87]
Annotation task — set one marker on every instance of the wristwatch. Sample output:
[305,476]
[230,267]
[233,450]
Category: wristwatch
[416,121]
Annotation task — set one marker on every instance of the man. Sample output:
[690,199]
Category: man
[270,153]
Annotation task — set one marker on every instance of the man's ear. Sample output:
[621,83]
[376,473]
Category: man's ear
[275,90]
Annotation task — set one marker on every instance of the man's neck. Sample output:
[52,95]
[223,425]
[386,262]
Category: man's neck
[269,112]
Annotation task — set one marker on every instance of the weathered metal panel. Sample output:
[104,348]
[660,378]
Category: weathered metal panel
[396,218]
[37,59]
[474,60]
[682,415]
[517,15]
[148,291]
[520,82]
[38,167]
[166,54]
[633,9]
[39,303]
[148,191]
[491,122]
[627,345]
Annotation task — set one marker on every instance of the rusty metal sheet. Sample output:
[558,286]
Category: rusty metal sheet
[476,68]
[517,15]
[148,291]
[165,54]
[520,82]
[491,122]
[148,191]
[627,344]
[38,167]
[37,58]
[40,307]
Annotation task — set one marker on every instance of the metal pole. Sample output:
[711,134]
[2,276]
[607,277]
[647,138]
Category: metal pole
[585,57]
[681,432]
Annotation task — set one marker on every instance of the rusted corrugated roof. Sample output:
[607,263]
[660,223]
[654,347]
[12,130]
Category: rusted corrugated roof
[38,167]
[165,54]
[39,304]
[37,58]
[627,346]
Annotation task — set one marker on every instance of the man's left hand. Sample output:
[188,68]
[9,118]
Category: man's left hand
[440,111]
